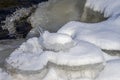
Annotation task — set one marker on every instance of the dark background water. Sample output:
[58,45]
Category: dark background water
[7,7]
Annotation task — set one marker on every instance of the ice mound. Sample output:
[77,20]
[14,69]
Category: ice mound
[111,71]
[4,75]
[82,60]
[26,55]
[106,34]
[56,41]
[53,14]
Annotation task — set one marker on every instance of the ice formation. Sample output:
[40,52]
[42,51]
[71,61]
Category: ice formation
[16,16]
[4,75]
[111,71]
[106,34]
[81,60]
[104,6]
[73,52]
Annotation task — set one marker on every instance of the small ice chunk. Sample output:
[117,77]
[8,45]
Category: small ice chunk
[56,41]
[111,71]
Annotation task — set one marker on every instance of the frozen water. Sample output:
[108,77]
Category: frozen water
[16,16]
[33,57]
[111,71]
[104,6]
[106,34]
[26,55]
[53,14]
[4,75]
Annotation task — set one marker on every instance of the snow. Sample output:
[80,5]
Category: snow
[4,75]
[108,57]
[105,34]
[111,71]
[78,55]
[104,6]
[56,41]
[26,55]
[31,53]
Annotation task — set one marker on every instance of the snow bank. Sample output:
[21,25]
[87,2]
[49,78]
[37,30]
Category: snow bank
[4,75]
[111,71]
[106,34]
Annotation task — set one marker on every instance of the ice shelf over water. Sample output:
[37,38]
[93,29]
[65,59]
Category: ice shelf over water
[73,52]
[31,53]
[104,34]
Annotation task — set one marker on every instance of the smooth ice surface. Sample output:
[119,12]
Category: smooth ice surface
[111,71]
[31,53]
[106,34]
[104,6]
[4,75]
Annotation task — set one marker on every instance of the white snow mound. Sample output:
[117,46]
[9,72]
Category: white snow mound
[106,34]
[56,41]
[111,71]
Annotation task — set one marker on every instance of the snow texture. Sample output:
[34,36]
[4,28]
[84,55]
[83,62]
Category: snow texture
[26,55]
[111,71]
[31,53]
[105,34]
[56,41]
[4,75]
[104,6]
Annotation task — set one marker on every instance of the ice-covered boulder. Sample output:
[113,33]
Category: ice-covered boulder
[111,71]
[4,75]
[81,60]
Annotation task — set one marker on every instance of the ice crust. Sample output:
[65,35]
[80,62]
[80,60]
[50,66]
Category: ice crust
[111,71]
[106,34]
[32,53]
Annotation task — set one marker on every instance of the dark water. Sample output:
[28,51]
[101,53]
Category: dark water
[7,7]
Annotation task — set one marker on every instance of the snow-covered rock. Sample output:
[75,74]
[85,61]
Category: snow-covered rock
[4,75]
[105,34]
[111,71]
[82,60]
